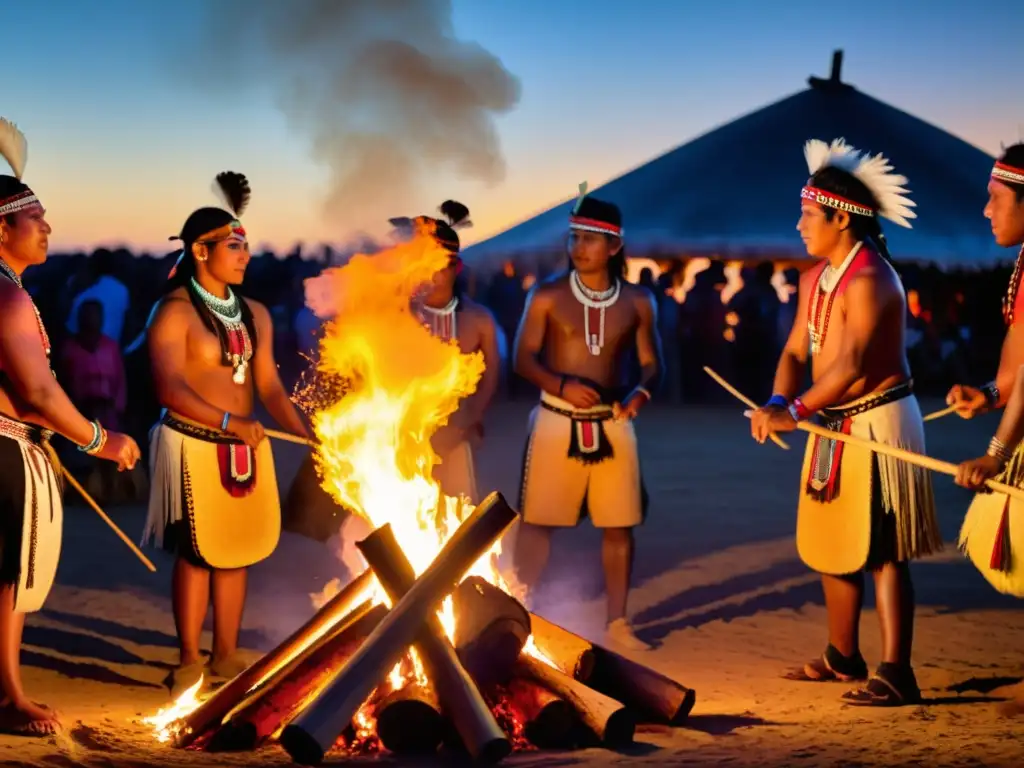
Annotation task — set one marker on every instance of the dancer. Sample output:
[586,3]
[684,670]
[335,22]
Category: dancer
[1005,209]
[858,510]
[32,407]
[214,500]
[994,546]
[581,452]
[452,316]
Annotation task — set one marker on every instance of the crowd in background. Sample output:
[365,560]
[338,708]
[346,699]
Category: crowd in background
[733,319]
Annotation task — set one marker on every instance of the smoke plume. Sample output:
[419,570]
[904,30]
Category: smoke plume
[383,92]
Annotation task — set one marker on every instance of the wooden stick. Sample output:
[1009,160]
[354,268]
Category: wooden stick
[917,459]
[743,399]
[113,526]
[311,734]
[290,438]
[939,414]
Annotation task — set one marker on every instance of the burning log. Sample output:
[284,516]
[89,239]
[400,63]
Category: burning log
[276,702]
[313,732]
[655,697]
[607,719]
[570,653]
[548,720]
[409,721]
[460,699]
[491,628]
[211,712]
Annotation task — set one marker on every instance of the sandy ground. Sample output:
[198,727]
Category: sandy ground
[719,588]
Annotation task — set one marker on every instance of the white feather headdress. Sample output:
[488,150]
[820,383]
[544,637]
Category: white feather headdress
[875,173]
[13,147]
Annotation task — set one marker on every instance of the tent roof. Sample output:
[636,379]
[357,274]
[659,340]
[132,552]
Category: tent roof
[733,192]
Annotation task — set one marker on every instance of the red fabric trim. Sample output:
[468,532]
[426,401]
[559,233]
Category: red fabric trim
[1010,168]
[998,560]
[243,456]
[603,225]
[811,194]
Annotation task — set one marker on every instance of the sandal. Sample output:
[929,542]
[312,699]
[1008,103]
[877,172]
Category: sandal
[831,667]
[892,685]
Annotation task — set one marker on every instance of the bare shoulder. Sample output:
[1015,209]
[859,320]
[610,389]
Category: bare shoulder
[258,309]
[175,312]
[546,292]
[478,313]
[640,297]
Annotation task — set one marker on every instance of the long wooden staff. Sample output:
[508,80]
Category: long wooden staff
[113,526]
[745,400]
[940,413]
[918,459]
[290,438]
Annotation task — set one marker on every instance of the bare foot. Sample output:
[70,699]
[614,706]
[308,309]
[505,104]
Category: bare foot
[28,719]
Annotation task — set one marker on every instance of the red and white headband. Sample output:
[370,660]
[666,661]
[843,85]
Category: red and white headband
[1007,173]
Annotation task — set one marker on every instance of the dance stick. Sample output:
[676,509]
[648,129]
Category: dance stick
[290,438]
[918,459]
[96,508]
[939,414]
[745,400]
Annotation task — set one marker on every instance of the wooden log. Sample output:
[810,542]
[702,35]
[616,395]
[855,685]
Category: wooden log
[570,653]
[548,719]
[274,704]
[655,697]
[211,712]
[491,628]
[607,719]
[308,738]
[460,699]
[409,721]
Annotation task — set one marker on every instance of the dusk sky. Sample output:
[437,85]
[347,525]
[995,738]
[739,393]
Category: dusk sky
[122,146]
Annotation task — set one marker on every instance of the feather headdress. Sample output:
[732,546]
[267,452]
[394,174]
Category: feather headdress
[456,213]
[875,173]
[13,147]
[233,189]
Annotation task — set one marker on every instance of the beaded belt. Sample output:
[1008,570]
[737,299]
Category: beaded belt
[198,431]
[25,433]
[869,402]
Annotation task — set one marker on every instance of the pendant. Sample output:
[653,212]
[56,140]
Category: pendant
[239,375]
[595,348]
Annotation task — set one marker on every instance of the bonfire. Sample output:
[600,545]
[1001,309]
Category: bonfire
[430,647]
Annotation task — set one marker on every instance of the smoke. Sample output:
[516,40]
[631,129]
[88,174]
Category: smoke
[382,91]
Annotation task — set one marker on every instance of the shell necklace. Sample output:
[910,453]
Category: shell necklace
[594,302]
[229,313]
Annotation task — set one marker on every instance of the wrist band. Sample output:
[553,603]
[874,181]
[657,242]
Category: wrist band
[99,439]
[777,401]
[224,422]
[800,411]
[997,449]
[991,393]
[643,391]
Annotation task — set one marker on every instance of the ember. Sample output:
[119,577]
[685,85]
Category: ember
[429,648]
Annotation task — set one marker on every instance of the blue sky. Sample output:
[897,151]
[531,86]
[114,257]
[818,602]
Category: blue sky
[122,148]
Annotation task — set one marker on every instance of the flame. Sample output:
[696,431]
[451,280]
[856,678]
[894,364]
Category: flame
[165,720]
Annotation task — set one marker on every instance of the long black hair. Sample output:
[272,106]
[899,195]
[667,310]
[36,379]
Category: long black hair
[234,187]
[844,184]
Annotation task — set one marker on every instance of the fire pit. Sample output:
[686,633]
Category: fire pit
[428,649]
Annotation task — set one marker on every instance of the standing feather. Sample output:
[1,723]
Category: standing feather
[233,189]
[456,213]
[582,192]
[13,147]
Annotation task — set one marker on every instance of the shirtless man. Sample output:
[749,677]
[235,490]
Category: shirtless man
[576,331]
[214,500]
[32,407]
[994,546]
[451,315]
[858,510]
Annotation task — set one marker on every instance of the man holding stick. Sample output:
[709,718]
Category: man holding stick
[32,407]
[994,546]
[1005,209]
[581,452]
[214,500]
[858,510]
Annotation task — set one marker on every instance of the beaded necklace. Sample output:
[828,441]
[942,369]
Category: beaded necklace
[442,321]
[1010,299]
[15,278]
[594,302]
[229,314]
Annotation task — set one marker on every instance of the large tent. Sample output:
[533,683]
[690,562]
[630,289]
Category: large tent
[733,193]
